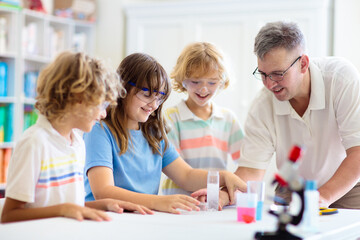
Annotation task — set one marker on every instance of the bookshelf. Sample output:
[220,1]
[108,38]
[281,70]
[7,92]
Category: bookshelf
[29,40]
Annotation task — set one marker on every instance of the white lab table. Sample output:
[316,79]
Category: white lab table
[188,225]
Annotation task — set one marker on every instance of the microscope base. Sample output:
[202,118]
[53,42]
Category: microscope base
[283,235]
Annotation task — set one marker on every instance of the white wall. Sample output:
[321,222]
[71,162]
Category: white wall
[347,30]
[110,40]
[110,29]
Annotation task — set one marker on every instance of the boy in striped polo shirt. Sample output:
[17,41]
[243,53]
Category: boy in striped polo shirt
[204,134]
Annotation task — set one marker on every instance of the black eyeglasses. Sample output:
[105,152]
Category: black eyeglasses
[276,77]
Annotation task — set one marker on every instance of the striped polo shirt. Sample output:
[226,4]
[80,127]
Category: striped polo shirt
[46,169]
[205,144]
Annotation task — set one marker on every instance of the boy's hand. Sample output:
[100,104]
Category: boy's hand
[119,206]
[202,193]
[232,183]
[224,199]
[80,213]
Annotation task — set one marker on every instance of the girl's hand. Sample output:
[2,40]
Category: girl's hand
[172,202]
[80,213]
[232,183]
[223,197]
[119,206]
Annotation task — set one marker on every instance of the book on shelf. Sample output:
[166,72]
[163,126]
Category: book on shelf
[30,116]
[2,167]
[79,42]
[30,39]
[2,122]
[5,155]
[3,79]
[30,79]
[11,2]
[6,159]
[57,41]
[9,128]
[3,34]
[6,122]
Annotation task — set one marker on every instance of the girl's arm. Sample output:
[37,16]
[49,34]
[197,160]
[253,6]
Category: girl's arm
[192,179]
[101,180]
[15,210]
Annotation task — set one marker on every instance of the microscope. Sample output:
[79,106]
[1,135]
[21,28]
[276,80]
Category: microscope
[289,179]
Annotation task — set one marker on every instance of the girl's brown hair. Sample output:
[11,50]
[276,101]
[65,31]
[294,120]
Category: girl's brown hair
[141,70]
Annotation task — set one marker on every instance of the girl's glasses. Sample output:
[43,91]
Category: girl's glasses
[146,96]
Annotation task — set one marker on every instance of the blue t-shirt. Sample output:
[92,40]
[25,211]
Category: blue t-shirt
[137,170]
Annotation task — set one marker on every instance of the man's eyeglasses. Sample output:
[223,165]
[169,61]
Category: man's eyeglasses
[146,96]
[276,77]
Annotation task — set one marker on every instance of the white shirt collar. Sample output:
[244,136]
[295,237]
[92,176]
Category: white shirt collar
[186,114]
[44,122]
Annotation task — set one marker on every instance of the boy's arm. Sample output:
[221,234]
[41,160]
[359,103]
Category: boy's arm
[101,180]
[15,210]
[192,179]
[250,174]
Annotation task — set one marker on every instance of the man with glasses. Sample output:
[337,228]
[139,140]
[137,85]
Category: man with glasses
[315,104]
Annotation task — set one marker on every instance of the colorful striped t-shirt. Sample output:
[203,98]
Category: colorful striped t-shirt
[205,144]
[46,169]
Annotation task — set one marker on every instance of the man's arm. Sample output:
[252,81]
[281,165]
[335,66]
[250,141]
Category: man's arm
[250,174]
[344,179]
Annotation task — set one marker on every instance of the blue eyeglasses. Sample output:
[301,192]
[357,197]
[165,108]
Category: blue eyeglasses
[145,95]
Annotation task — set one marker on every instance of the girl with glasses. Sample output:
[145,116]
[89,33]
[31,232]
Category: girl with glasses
[127,152]
[204,134]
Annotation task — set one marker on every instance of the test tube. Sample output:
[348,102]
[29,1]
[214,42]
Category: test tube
[213,190]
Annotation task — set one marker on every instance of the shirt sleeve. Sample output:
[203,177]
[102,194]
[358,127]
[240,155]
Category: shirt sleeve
[346,90]
[24,170]
[170,154]
[258,145]
[99,150]
[236,134]
[172,118]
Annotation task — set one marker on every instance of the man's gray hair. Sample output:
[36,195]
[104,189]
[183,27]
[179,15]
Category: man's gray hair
[278,35]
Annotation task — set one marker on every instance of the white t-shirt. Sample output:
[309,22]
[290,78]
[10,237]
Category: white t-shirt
[329,126]
[46,169]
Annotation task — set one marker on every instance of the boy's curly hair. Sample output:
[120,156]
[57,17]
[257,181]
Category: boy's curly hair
[73,78]
[198,59]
